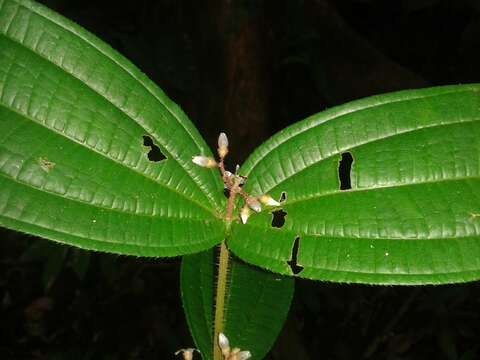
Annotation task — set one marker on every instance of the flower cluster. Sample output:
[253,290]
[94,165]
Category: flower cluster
[231,354]
[233,182]
[224,345]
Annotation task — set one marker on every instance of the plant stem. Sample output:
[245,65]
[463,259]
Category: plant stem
[222,271]
[220,299]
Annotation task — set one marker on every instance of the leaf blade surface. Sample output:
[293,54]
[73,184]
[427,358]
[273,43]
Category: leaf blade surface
[409,217]
[256,305]
[74,168]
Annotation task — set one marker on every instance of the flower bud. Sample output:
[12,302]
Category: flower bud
[204,161]
[224,344]
[222,140]
[268,200]
[222,145]
[244,214]
[253,203]
[223,341]
[244,355]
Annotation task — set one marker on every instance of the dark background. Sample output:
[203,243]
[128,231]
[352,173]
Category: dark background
[250,68]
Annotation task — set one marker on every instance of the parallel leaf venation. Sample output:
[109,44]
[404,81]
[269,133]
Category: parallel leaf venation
[148,88]
[337,113]
[91,177]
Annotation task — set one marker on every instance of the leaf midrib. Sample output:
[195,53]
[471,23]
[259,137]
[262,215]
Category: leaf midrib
[370,141]
[297,232]
[124,212]
[133,170]
[338,192]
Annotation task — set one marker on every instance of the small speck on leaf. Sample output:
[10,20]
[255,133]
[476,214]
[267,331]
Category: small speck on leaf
[45,164]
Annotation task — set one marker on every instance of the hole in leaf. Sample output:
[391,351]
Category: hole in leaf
[296,269]
[283,196]
[344,170]
[154,154]
[278,218]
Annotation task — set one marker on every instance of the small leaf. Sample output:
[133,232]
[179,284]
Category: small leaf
[92,153]
[407,208]
[256,307]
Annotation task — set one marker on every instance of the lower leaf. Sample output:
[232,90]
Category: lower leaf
[256,304]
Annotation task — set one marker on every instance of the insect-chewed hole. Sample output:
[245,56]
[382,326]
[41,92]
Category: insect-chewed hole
[283,196]
[344,171]
[278,218]
[296,268]
[154,154]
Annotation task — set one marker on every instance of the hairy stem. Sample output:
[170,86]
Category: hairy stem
[220,299]
[222,271]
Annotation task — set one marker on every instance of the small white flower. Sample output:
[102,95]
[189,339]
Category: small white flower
[187,353]
[204,161]
[268,200]
[245,214]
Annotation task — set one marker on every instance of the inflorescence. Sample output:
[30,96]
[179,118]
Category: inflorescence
[233,182]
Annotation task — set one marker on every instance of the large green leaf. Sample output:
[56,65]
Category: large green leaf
[412,215]
[257,304]
[73,165]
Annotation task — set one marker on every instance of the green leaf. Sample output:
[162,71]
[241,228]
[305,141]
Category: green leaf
[412,215]
[257,304]
[74,118]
